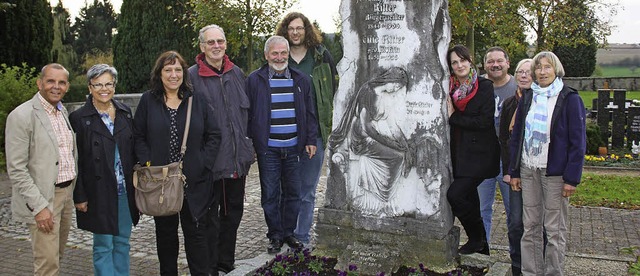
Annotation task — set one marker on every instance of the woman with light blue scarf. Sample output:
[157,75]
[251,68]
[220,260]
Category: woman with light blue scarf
[547,154]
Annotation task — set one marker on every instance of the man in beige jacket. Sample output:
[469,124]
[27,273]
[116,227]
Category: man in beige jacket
[41,164]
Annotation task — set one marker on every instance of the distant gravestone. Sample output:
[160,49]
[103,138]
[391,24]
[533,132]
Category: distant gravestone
[389,161]
[603,113]
[619,118]
[633,125]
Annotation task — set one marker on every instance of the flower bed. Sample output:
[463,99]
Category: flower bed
[612,160]
[303,263]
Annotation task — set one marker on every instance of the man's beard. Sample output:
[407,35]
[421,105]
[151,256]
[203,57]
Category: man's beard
[279,68]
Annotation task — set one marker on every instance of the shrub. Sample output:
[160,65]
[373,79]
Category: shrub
[594,140]
[17,85]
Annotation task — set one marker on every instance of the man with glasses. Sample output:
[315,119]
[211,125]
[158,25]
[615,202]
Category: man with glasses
[311,57]
[222,84]
[496,64]
[41,164]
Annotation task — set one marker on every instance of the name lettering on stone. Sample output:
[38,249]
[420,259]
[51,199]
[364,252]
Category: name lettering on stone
[384,15]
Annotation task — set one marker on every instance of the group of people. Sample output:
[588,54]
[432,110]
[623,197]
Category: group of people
[280,115]
[522,133]
[526,134]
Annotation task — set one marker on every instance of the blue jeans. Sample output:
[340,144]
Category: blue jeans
[111,253]
[280,183]
[487,194]
[310,174]
[515,227]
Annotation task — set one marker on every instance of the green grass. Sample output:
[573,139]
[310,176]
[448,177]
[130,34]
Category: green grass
[616,71]
[598,190]
[588,96]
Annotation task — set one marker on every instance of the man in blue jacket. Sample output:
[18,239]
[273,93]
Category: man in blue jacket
[283,125]
[311,57]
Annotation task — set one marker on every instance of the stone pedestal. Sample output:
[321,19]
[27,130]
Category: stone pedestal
[384,244]
[389,160]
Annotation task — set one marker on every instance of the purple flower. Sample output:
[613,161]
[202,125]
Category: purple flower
[353,267]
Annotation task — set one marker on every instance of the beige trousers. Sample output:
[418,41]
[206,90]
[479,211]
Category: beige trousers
[49,248]
[543,206]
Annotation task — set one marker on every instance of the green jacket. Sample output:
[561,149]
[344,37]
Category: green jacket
[325,83]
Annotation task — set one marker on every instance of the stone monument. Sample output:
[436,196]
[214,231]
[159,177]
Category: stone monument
[389,161]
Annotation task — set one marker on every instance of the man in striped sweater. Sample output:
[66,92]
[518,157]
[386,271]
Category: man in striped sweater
[284,128]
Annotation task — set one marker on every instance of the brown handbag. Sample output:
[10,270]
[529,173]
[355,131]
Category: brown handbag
[160,189]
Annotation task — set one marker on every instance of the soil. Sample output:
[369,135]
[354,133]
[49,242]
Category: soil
[612,171]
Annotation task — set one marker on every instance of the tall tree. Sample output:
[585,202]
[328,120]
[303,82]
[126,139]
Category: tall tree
[480,25]
[94,27]
[26,33]
[578,52]
[62,49]
[543,16]
[144,32]
[243,21]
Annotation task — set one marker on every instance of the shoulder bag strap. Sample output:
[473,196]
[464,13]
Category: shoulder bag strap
[183,148]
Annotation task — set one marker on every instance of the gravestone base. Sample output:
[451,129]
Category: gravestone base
[384,244]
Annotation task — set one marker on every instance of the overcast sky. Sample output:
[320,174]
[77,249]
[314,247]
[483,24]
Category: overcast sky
[326,11]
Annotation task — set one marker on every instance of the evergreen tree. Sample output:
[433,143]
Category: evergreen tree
[94,27]
[26,33]
[575,22]
[144,32]
[62,49]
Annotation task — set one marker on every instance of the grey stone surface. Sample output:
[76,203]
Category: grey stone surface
[389,149]
[595,83]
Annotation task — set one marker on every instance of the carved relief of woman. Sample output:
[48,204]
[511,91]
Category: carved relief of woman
[369,143]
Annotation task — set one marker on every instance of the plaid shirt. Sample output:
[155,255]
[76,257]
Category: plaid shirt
[64,135]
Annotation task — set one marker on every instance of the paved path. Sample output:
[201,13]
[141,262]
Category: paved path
[594,233]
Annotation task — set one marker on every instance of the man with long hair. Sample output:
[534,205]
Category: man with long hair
[311,57]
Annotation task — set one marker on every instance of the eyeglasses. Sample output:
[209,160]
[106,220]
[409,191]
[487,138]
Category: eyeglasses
[213,42]
[297,29]
[520,72]
[108,85]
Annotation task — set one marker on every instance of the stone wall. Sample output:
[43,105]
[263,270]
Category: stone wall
[129,99]
[595,83]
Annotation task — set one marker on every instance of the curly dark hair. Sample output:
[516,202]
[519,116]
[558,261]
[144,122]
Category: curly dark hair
[169,58]
[312,36]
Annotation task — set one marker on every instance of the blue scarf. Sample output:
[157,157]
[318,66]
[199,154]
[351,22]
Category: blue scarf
[535,132]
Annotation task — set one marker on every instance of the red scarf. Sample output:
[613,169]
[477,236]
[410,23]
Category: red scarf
[461,104]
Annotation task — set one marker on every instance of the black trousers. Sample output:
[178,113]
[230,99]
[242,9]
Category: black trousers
[465,204]
[231,192]
[198,238]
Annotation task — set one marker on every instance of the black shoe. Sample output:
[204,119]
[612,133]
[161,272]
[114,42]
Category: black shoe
[225,268]
[471,247]
[274,246]
[516,271]
[293,243]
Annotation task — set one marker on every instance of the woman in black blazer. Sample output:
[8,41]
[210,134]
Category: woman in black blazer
[475,151]
[158,127]
[104,196]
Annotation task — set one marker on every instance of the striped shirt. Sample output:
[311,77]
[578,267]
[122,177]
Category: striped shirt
[64,136]
[283,128]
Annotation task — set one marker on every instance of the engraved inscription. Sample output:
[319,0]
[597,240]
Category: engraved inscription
[384,15]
